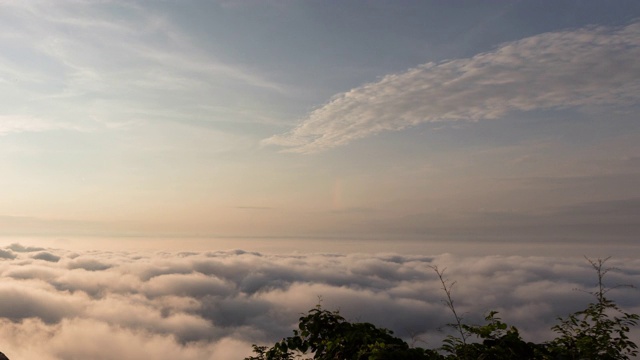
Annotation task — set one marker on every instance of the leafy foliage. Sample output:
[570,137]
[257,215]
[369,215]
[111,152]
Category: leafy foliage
[499,341]
[327,335]
[598,332]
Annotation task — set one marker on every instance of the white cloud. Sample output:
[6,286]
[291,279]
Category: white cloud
[21,300]
[578,68]
[214,305]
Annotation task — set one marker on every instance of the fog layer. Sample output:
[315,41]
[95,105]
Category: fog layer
[60,304]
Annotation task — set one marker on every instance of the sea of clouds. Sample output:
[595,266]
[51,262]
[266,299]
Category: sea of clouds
[63,304]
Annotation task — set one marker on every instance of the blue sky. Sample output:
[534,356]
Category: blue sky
[389,119]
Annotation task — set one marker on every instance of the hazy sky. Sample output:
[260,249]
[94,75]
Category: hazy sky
[391,119]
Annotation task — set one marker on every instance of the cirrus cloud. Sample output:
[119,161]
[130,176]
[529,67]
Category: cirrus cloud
[592,66]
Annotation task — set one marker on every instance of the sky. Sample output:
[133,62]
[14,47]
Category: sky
[500,120]
[182,179]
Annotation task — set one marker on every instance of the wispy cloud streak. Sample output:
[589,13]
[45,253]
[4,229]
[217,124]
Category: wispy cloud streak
[86,63]
[18,124]
[592,66]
